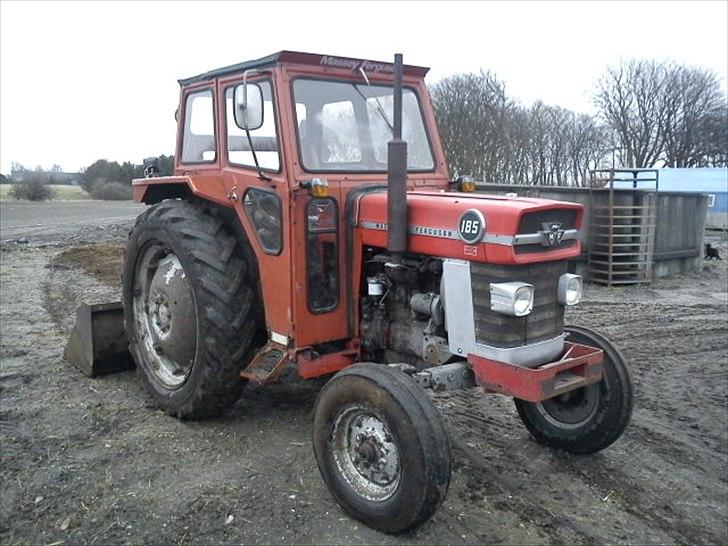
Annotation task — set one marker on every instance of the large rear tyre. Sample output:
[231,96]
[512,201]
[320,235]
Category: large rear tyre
[381,447]
[187,308]
[589,419]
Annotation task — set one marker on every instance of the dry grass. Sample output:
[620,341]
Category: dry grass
[61,192]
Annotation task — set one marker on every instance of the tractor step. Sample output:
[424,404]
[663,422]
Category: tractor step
[267,365]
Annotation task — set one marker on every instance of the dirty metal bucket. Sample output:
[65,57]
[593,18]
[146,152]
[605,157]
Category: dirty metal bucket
[98,344]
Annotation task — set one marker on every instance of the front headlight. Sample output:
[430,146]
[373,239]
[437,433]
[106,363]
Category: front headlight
[570,287]
[511,298]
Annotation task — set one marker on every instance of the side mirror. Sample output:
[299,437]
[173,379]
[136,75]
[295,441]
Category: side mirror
[248,108]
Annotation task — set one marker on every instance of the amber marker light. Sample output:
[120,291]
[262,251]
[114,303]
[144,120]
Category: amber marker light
[317,187]
[466,184]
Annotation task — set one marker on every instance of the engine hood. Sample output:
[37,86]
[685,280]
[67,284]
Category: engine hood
[517,230]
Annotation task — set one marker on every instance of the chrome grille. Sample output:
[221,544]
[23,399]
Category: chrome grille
[546,321]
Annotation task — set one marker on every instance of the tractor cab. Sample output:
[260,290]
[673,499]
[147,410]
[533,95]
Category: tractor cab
[286,142]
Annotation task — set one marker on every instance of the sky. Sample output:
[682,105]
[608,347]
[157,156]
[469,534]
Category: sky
[90,80]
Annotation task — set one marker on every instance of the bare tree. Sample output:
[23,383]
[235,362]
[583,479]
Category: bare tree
[696,109]
[472,112]
[663,113]
[650,114]
[632,102]
[493,138]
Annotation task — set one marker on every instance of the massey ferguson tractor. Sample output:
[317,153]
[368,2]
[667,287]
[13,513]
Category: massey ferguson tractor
[311,223]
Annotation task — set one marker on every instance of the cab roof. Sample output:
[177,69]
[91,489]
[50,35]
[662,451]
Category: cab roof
[297,57]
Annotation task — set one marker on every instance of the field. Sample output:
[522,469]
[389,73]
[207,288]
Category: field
[95,462]
[61,192]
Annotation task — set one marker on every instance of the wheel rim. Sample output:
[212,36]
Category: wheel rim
[165,319]
[366,453]
[571,409]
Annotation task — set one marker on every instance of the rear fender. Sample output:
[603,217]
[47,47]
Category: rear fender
[207,187]
[225,203]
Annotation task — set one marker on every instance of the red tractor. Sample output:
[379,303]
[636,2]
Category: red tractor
[311,222]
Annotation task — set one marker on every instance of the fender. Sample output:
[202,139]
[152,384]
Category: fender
[207,187]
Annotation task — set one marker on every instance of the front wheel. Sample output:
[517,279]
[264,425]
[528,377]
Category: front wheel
[588,419]
[381,447]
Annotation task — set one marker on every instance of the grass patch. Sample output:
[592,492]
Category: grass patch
[61,192]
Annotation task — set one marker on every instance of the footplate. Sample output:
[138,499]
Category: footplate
[578,366]
[267,365]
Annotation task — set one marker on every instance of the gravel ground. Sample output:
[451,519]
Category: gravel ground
[95,462]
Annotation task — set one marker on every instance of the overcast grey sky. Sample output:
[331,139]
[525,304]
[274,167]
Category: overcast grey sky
[83,81]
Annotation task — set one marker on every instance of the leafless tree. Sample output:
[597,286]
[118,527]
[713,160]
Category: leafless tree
[664,114]
[472,112]
[632,101]
[697,109]
[490,136]
[650,114]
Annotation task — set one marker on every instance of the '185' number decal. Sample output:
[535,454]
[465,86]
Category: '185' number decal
[472,226]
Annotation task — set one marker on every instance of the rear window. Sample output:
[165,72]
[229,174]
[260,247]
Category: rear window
[198,144]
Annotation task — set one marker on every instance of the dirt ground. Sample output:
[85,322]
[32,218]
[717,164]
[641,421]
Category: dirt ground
[95,462]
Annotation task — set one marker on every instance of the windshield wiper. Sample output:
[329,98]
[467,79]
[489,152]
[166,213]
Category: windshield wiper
[376,99]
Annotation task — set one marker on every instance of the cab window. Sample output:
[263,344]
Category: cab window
[198,144]
[346,126]
[323,256]
[264,138]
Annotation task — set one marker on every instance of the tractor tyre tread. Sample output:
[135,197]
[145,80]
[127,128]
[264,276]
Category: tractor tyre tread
[406,509]
[223,297]
[611,418]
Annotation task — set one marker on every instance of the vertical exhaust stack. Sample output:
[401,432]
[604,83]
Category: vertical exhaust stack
[397,175]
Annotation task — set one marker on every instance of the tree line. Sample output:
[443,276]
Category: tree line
[102,179]
[103,172]
[649,114]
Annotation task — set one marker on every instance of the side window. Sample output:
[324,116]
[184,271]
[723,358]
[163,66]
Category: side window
[323,257]
[264,210]
[264,139]
[198,144]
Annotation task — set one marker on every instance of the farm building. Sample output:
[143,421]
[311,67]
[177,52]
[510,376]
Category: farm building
[710,181]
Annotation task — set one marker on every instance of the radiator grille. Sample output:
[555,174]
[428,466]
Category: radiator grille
[546,321]
[532,222]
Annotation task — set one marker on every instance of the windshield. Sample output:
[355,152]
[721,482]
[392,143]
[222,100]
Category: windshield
[341,126]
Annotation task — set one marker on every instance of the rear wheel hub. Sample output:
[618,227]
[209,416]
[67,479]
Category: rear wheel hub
[164,315]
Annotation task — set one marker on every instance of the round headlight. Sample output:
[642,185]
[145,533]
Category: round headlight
[570,288]
[523,302]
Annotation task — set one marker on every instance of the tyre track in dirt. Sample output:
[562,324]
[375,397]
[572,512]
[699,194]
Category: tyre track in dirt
[162,480]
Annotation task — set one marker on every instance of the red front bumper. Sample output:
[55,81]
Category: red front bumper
[579,365]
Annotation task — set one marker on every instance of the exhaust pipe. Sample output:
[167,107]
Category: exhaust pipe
[397,175]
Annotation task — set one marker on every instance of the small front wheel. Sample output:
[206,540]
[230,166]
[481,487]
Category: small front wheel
[381,447]
[588,419]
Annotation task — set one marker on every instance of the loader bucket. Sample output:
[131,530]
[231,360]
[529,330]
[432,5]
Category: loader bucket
[98,344]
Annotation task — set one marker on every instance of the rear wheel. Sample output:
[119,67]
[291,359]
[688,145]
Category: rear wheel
[588,419]
[381,447]
[187,308]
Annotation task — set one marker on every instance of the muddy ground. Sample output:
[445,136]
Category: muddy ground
[95,462]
